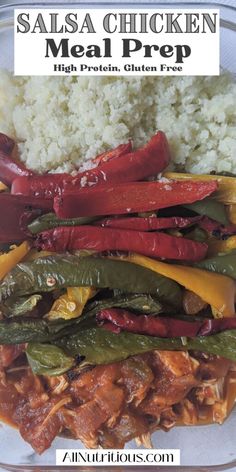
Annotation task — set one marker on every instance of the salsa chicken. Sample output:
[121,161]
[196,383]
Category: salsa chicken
[117,298]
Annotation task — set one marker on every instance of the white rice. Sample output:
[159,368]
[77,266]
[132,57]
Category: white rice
[62,122]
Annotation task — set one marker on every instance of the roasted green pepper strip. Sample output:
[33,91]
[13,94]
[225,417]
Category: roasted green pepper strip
[46,359]
[55,272]
[50,221]
[222,264]
[103,347]
[37,330]
[211,208]
[42,330]
[138,303]
[21,306]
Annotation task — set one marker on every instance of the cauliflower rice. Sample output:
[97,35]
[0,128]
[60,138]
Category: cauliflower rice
[62,122]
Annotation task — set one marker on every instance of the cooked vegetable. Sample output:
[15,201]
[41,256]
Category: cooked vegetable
[192,303]
[53,272]
[14,331]
[226,192]
[222,264]
[50,221]
[41,186]
[132,197]
[45,359]
[210,208]
[198,234]
[216,229]
[13,210]
[11,258]
[140,303]
[154,244]
[164,327]
[113,153]
[6,144]
[10,168]
[20,306]
[231,212]
[3,187]
[149,223]
[103,347]
[30,330]
[137,165]
[215,289]
[71,304]
[216,246]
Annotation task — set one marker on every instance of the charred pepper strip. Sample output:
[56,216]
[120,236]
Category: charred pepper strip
[9,167]
[149,223]
[217,230]
[113,153]
[132,197]
[226,192]
[6,144]
[231,212]
[215,289]
[164,327]
[211,208]
[10,259]
[50,221]
[46,359]
[3,187]
[157,245]
[13,209]
[103,347]
[13,331]
[222,264]
[216,246]
[38,330]
[53,272]
[137,165]
[40,186]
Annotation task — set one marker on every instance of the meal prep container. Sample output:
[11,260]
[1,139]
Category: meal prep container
[205,448]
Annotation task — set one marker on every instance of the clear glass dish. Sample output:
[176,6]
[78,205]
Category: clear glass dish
[205,448]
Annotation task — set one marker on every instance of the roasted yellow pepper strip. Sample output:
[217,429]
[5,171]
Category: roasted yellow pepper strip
[215,289]
[71,304]
[9,259]
[226,192]
[231,212]
[2,187]
[216,246]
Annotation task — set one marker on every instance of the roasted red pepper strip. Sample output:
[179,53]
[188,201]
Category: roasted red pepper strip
[13,209]
[164,327]
[6,144]
[49,185]
[130,197]
[10,169]
[217,229]
[40,186]
[113,153]
[149,223]
[157,245]
[136,165]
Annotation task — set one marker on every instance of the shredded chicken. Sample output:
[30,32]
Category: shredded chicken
[109,405]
